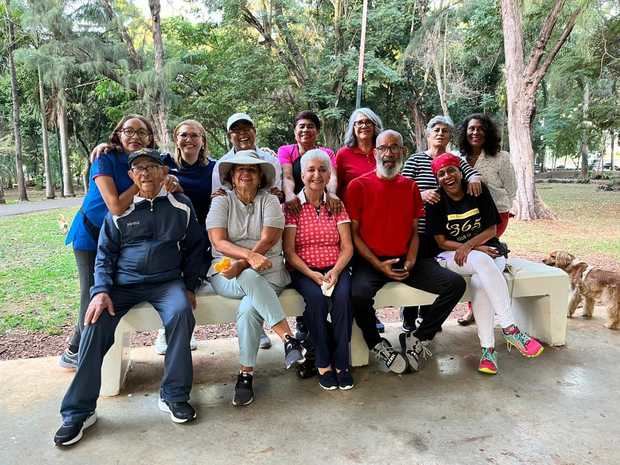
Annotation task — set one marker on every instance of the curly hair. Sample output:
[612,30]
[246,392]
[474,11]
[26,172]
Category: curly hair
[492,139]
[115,139]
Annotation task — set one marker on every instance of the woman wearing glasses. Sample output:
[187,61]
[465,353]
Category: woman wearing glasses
[191,164]
[109,189]
[356,156]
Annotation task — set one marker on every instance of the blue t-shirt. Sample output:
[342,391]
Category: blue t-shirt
[196,183]
[113,164]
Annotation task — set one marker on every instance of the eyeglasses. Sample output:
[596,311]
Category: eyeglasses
[363,123]
[189,135]
[131,132]
[144,169]
[394,148]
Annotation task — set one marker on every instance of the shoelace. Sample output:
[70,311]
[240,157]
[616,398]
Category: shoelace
[488,355]
[522,338]
[426,351]
[384,352]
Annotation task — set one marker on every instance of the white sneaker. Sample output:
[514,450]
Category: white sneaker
[161,345]
[265,342]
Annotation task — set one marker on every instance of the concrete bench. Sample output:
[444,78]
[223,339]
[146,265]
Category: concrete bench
[539,302]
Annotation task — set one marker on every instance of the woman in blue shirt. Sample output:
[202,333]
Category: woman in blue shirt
[109,189]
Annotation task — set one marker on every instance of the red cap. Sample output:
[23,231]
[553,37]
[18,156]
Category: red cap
[443,160]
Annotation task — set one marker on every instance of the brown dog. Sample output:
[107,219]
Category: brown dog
[591,284]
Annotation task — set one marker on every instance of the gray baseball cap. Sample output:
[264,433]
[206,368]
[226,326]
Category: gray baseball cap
[235,118]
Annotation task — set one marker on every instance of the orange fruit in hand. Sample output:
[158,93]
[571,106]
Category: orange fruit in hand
[223,265]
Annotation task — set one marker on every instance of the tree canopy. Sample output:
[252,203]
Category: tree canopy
[96,60]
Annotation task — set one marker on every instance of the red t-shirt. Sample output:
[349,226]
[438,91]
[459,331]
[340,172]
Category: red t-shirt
[385,210]
[351,162]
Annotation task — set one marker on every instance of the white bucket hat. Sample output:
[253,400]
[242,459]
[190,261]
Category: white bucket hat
[246,157]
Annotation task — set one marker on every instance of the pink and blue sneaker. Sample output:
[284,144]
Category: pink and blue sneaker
[528,346]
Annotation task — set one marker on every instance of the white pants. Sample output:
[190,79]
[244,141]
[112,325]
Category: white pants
[490,297]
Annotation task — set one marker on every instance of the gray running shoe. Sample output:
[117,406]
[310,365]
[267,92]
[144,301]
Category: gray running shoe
[391,358]
[68,360]
[412,348]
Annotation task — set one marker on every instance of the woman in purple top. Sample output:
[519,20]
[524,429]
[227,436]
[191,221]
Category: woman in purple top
[307,128]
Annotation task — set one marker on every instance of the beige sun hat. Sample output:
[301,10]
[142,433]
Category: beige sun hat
[246,157]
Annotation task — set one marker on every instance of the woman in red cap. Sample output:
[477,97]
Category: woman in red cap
[465,228]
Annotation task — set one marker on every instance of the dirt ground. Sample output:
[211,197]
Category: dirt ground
[23,344]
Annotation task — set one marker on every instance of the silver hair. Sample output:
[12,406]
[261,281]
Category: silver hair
[439,119]
[349,138]
[394,133]
[315,154]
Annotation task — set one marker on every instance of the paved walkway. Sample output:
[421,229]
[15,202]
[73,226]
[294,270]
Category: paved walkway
[559,409]
[20,208]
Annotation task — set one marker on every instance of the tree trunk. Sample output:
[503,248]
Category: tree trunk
[584,130]
[419,125]
[67,182]
[47,167]
[19,166]
[159,108]
[613,147]
[521,84]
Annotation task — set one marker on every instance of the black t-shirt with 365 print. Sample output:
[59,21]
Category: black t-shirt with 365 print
[463,219]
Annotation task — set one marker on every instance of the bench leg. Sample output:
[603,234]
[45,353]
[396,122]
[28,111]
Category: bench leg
[359,349]
[544,317]
[116,362]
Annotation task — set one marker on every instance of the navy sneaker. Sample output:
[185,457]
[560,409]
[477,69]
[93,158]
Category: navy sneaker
[244,394]
[180,412]
[328,380]
[70,433]
[345,380]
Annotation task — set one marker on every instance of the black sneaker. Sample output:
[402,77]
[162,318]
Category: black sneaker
[293,351]
[244,394]
[301,330]
[71,433]
[180,412]
[410,319]
[345,380]
[391,358]
[328,380]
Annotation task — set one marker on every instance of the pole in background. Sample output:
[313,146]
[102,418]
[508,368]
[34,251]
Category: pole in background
[360,67]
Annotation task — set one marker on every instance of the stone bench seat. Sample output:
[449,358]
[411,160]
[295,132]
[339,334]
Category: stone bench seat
[539,303]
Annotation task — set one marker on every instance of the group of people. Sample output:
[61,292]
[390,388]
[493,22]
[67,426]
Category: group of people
[336,227]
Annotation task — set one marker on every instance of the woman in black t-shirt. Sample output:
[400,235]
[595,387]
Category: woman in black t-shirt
[464,227]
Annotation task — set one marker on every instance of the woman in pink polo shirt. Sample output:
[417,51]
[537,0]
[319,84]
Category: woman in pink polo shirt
[317,245]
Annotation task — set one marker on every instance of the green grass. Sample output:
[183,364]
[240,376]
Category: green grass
[38,279]
[588,223]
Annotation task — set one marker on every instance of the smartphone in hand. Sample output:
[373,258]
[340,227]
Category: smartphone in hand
[399,267]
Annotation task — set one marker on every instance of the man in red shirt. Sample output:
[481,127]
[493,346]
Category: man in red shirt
[384,208]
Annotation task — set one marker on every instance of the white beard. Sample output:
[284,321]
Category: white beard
[389,173]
